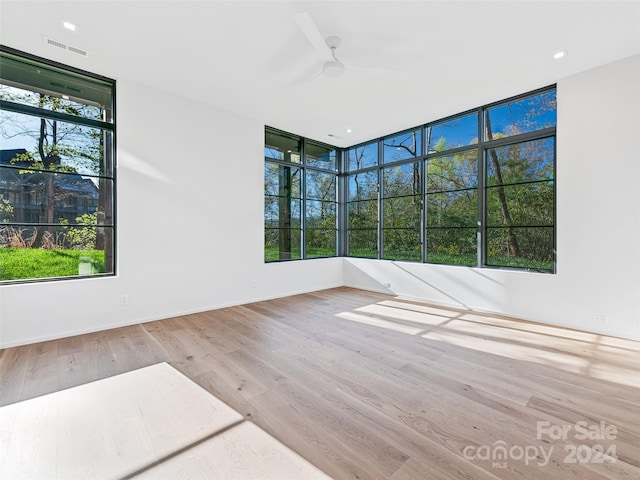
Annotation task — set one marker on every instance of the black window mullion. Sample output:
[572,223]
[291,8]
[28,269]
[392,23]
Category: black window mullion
[74,195]
[53,115]
[520,138]
[482,211]
[342,195]
[303,203]
[423,210]
[481,147]
[555,218]
[452,151]
[57,172]
[380,202]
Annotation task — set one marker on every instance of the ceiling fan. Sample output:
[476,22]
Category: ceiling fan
[326,48]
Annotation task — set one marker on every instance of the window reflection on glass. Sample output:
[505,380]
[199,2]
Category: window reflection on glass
[310,185]
[320,156]
[279,146]
[282,216]
[282,180]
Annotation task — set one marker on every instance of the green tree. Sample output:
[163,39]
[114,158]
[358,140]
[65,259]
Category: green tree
[6,210]
[524,115]
[82,237]
[59,146]
[526,180]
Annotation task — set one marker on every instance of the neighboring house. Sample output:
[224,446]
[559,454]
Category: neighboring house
[24,191]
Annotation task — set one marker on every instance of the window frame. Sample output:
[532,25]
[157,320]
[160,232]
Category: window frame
[107,127]
[481,146]
[303,167]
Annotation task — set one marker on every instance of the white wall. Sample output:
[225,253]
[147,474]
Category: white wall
[190,235]
[201,169]
[598,223]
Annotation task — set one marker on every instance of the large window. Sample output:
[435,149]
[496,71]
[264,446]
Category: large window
[519,204]
[300,178]
[57,133]
[475,189]
[363,214]
[401,197]
[452,191]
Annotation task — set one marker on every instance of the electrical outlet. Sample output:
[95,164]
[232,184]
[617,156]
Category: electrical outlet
[124,300]
[600,318]
[386,284]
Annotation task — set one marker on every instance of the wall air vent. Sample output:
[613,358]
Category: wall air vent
[64,46]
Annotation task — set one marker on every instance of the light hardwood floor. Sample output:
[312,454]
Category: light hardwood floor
[365,385]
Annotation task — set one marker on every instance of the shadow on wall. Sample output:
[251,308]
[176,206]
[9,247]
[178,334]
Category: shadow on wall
[458,286]
[430,285]
[365,275]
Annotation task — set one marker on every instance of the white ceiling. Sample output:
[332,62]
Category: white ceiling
[435,58]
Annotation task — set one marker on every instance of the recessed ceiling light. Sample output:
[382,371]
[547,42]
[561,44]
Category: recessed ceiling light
[70,26]
[349,130]
[560,54]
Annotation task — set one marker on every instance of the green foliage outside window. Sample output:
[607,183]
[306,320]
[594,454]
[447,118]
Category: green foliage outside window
[56,170]
[476,189]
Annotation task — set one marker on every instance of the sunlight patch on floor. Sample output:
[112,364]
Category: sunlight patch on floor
[439,311]
[404,315]
[607,358]
[379,322]
[564,361]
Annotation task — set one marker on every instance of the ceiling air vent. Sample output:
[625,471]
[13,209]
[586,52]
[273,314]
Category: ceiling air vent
[64,46]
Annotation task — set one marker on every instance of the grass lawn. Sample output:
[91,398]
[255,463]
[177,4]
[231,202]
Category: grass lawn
[271,255]
[25,263]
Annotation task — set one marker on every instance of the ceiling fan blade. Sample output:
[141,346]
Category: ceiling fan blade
[309,28]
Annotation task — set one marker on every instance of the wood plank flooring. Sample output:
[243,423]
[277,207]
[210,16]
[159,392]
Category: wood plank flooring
[165,427]
[370,386]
